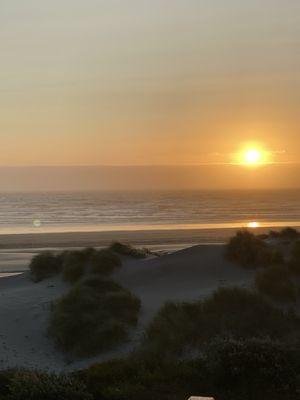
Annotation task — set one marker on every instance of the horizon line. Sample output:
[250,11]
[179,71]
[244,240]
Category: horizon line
[149,165]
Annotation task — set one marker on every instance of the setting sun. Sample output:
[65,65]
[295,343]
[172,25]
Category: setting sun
[253,156]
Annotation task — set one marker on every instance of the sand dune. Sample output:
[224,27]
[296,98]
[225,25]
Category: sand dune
[24,306]
[184,275]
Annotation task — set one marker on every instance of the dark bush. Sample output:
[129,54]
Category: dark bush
[180,329]
[33,385]
[289,234]
[294,263]
[228,369]
[276,283]
[250,251]
[76,263]
[44,265]
[135,379]
[93,317]
[104,262]
[253,369]
[128,250]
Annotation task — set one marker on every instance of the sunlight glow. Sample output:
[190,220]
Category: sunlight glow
[253,156]
[253,225]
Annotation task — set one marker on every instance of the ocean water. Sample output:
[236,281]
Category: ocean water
[93,211]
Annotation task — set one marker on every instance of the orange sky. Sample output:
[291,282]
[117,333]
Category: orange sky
[148,82]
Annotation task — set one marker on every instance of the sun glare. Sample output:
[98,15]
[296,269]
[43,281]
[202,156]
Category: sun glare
[253,156]
[253,225]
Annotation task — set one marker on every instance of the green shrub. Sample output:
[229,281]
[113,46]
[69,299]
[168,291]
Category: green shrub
[228,369]
[104,262]
[285,234]
[294,264]
[76,263]
[93,317]
[135,379]
[44,265]
[33,385]
[180,329]
[253,369]
[289,234]
[127,250]
[276,283]
[250,251]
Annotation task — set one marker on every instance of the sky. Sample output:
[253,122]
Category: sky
[148,82]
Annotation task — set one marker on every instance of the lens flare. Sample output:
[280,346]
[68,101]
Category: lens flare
[37,223]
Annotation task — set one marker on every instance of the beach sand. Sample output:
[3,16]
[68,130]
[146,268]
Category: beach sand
[157,237]
[16,250]
[25,306]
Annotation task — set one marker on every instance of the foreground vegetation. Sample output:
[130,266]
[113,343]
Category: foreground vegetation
[128,250]
[96,314]
[181,329]
[35,385]
[277,283]
[45,265]
[93,317]
[251,251]
[77,264]
[233,345]
[228,369]
[277,264]
[74,264]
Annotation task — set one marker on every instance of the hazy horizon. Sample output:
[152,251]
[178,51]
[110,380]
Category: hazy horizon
[97,178]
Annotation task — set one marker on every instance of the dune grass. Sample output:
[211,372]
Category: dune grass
[45,265]
[181,328]
[95,316]
[24,384]
[76,264]
[277,283]
[104,262]
[250,251]
[288,234]
[227,369]
[294,262]
[128,250]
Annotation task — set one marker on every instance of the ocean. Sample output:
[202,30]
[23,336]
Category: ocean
[106,211]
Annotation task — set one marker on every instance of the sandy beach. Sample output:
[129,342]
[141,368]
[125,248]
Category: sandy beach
[16,250]
[103,238]
[182,275]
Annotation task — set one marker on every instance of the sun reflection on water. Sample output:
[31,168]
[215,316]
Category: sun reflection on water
[253,224]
